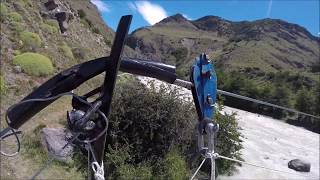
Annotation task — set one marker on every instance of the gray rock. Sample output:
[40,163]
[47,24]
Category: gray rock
[51,5]
[62,18]
[17,69]
[299,165]
[53,139]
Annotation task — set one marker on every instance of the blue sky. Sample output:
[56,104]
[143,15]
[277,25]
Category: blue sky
[146,13]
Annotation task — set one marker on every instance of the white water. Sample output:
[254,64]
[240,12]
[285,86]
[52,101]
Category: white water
[270,143]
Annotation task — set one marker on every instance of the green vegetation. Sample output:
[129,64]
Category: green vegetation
[3,11]
[14,17]
[30,40]
[34,149]
[34,64]
[281,88]
[48,28]
[66,50]
[16,52]
[96,30]
[80,53]
[153,137]
[17,27]
[2,85]
[81,13]
[174,165]
[52,22]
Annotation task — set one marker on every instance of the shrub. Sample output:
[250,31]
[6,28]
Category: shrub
[228,141]
[85,23]
[107,41]
[48,28]
[16,52]
[34,64]
[16,26]
[96,30]
[149,126]
[30,40]
[175,166]
[2,85]
[80,53]
[81,13]
[117,158]
[66,50]
[52,22]
[14,17]
[3,11]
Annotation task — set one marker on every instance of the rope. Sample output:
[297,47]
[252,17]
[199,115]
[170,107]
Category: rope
[259,166]
[49,162]
[195,173]
[15,133]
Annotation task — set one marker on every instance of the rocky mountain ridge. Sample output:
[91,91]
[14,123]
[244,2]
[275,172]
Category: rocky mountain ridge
[273,44]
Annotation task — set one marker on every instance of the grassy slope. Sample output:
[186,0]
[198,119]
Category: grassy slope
[18,85]
[254,49]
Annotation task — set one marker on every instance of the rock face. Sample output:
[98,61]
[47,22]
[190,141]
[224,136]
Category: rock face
[299,165]
[51,5]
[53,140]
[59,11]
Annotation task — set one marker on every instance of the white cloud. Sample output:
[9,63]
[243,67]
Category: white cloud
[186,16]
[269,9]
[102,6]
[152,13]
[132,7]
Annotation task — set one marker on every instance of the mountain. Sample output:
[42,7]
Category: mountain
[267,45]
[268,59]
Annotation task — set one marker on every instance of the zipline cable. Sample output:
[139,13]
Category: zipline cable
[263,167]
[188,85]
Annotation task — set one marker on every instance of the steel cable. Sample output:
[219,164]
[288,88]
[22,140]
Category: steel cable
[259,166]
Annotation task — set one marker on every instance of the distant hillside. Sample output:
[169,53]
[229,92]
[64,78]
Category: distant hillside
[267,45]
[267,59]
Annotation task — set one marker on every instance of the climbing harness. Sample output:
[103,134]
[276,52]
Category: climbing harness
[88,122]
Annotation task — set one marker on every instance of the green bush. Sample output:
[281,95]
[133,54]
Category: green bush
[3,11]
[228,141]
[30,40]
[52,22]
[117,158]
[48,28]
[147,124]
[66,50]
[16,52]
[16,27]
[2,85]
[81,13]
[80,53]
[34,64]
[175,166]
[96,30]
[14,17]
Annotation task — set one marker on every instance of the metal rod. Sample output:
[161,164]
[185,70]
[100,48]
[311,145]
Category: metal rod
[111,70]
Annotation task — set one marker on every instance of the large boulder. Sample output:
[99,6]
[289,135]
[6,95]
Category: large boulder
[51,5]
[54,139]
[299,165]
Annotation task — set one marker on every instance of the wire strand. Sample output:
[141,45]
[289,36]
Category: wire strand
[49,162]
[195,173]
[259,166]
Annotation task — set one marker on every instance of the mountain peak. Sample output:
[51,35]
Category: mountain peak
[177,18]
